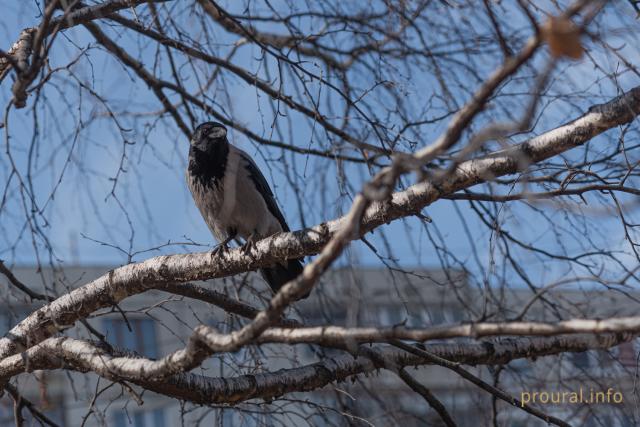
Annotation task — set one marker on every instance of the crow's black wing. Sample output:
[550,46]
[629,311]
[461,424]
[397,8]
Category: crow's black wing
[263,188]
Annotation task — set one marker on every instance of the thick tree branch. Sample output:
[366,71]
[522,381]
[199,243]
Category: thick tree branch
[338,336]
[68,353]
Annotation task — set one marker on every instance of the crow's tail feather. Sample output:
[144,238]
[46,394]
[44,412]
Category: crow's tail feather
[280,274]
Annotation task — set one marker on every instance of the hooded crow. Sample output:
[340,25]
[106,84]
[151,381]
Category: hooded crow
[234,198]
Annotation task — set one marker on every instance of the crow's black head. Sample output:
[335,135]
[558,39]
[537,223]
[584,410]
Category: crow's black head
[208,135]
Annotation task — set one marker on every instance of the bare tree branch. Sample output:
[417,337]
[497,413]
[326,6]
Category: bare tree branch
[56,353]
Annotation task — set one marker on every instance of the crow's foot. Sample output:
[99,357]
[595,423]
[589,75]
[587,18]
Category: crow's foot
[249,245]
[223,247]
[219,250]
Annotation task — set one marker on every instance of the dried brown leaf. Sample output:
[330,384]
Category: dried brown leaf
[563,37]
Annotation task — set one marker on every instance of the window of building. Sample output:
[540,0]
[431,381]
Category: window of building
[393,315]
[521,366]
[239,357]
[580,360]
[458,314]
[141,338]
[151,418]
[437,315]
[231,418]
[627,355]
[415,319]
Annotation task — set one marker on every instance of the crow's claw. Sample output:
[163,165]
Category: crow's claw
[219,250]
[249,245]
[222,248]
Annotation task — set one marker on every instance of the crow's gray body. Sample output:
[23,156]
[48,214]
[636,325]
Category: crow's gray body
[234,205]
[233,196]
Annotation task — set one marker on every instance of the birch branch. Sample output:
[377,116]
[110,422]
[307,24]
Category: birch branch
[136,278]
[337,336]
[206,341]
[83,356]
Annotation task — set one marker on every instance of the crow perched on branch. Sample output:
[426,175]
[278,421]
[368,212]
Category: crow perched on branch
[234,198]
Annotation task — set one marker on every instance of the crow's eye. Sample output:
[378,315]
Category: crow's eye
[217,132]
